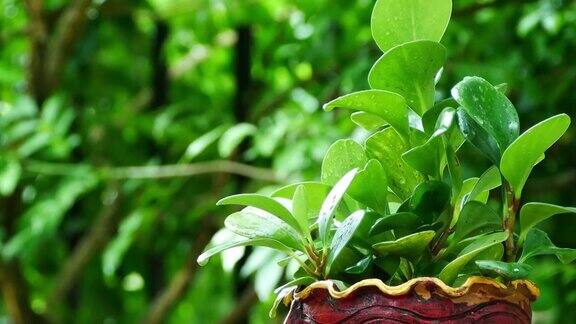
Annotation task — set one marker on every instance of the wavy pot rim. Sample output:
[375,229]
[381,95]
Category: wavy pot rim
[423,286]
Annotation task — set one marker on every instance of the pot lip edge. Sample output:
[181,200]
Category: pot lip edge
[408,285]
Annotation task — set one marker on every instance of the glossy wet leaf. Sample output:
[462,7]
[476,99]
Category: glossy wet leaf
[411,246]
[430,199]
[478,137]
[426,158]
[397,22]
[331,203]
[370,187]
[489,180]
[368,121]
[476,218]
[389,264]
[454,169]
[265,203]
[489,108]
[537,243]
[450,272]
[342,261]
[462,198]
[535,212]
[316,192]
[300,208]
[523,154]
[343,235]
[430,117]
[409,70]
[430,157]
[389,106]
[342,156]
[402,220]
[387,147]
[507,270]
[265,242]
[415,123]
[361,266]
[257,224]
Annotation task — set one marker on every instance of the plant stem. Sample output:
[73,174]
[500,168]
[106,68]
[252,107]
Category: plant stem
[510,208]
[446,231]
[302,264]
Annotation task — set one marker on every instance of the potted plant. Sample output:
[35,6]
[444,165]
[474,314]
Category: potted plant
[393,232]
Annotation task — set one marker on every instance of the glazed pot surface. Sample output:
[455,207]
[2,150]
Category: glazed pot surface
[422,300]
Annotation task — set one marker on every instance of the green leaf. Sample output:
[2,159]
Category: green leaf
[467,187]
[279,298]
[489,108]
[389,106]
[429,200]
[10,171]
[201,143]
[117,248]
[476,218]
[361,266]
[426,158]
[430,157]
[330,203]
[300,209]
[469,253]
[370,187]
[233,137]
[478,137]
[255,224]
[387,147]
[397,22]
[535,212]
[409,70]
[454,168]
[343,235]
[265,242]
[388,264]
[523,154]
[297,282]
[342,156]
[509,271]
[368,121]
[402,220]
[316,192]
[489,180]
[431,116]
[538,243]
[265,203]
[411,246]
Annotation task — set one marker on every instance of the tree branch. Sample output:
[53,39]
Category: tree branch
[38,35]
[68,29]
[14,293]
[155,171]
[242,308]
[166,300]
[90,245]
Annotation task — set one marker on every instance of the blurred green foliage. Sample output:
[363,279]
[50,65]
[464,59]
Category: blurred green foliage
[88,88]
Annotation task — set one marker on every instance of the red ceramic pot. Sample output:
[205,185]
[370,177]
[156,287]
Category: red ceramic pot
[421,300]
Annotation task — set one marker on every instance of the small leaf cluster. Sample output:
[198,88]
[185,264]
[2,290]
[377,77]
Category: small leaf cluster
[397,206]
